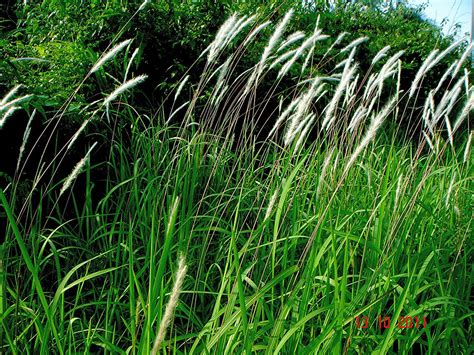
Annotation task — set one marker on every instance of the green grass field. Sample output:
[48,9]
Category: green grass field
[211,238]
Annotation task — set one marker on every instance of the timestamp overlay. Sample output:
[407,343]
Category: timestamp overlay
[379,331]
[385,322]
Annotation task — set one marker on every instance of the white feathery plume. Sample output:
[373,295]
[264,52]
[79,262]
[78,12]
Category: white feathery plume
[429,63]
[10,104]
[124,87]
[271,204]
[339,38]
[296,125]
[399,82]
[450,131]
[354,43]
[180,87]
[143,5]
[468,106]
[433,61]
[316,37]
[222,70]
[26,135]
[75,172]
[273,40]
[372,103]
[393,60]
[453,97]
[317,23]
[336,161]
[445,75]
[7,114]
[217,99]
[221,35]
[421,72]
[326,78]
[308,57]
[341,64]
[283,57]
[304,132]
[384,75]
[371,131]
[234,30]
[242,25]
[320,93]
[251,80]
[171,306]
[300,124]
[285,114]
[311,50]
[360,113]
[336,42]
[427,110]
[129,65]
[9,95]
[331,108]
[349,96]
[294,37]
[238,26]
[275,37]
[255,32]
[370,85]
[447,102]
[444,54]
[466,80]
[399,78]
[291,129]
[110,54]
[176,111]
[78,132]
[432,103]
[381,53]
[173,211]
[303,106]
[388,69]
[350,59]
[462,59]
[468,147]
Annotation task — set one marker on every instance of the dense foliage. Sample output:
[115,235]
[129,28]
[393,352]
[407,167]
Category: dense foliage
[54,43]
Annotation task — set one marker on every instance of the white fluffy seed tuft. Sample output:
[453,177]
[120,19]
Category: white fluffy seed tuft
[171,306]
[124,87]
[76,171]
[110,54]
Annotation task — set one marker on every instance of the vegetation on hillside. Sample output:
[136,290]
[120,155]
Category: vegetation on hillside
[234,177]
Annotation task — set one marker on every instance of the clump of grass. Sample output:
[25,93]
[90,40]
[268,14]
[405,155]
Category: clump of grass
[288,238]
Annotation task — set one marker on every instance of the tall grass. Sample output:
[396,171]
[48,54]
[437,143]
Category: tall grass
[287,238]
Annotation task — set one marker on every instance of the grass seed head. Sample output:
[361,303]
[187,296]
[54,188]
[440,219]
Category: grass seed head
[110,54]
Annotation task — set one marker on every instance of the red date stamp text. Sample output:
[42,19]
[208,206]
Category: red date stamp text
[403,322]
